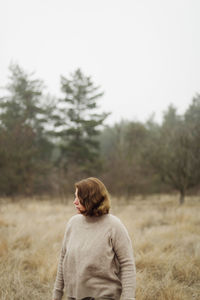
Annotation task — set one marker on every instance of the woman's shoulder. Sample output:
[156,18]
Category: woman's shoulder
[117,225]
[114,220]
[73,220]
[76,218]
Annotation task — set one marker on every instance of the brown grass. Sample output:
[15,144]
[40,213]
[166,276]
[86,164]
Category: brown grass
[166,240]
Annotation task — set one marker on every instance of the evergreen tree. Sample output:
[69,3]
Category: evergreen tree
[24,149]
[80,123]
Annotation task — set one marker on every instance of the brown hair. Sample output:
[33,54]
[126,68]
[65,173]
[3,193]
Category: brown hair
[93,195]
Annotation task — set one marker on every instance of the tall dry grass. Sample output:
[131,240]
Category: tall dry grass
[166,240]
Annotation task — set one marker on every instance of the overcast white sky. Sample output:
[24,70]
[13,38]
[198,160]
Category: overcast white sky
[144,53]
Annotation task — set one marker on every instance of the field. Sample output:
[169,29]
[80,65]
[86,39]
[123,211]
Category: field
[165,236]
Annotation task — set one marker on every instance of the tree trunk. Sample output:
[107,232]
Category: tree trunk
[182,197]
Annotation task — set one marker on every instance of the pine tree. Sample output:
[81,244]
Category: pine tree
[23,147]
[80,146]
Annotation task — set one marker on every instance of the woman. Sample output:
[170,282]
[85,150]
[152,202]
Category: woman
[96,260]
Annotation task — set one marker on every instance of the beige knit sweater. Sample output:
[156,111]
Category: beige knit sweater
[96,260]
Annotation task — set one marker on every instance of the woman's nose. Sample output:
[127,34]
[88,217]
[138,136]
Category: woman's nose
[76,201]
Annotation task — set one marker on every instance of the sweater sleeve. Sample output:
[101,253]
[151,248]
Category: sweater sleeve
[59,282]
[123,248]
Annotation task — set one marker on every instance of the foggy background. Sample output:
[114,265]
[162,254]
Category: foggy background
[144,54]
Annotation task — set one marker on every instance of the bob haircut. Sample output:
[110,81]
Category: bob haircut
[94,196]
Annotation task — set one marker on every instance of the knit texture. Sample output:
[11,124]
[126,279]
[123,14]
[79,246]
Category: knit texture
[96,260]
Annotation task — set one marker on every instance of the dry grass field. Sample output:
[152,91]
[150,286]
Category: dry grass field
[166,240]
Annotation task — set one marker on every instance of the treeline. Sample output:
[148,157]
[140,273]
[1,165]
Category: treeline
[48,143]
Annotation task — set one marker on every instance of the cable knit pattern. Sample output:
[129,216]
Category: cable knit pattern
[96,260]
